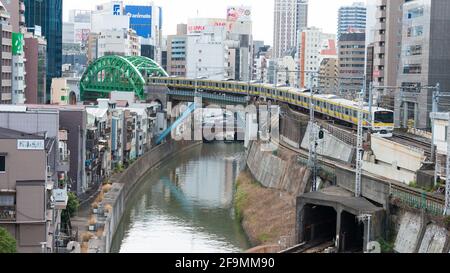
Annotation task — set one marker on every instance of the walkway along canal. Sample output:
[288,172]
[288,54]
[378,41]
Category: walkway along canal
[186,205]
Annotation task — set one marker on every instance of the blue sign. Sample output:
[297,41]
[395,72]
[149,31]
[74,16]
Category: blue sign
[116,10]
[140,20]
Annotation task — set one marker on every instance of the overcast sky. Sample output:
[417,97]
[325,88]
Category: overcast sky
[322,13]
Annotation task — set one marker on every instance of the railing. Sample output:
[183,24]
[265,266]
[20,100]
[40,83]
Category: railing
[418,200]
[8,213]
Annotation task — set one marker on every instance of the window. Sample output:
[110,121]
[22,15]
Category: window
[415,31]
[414,50]
[412,69]
[414,13]
[2,163]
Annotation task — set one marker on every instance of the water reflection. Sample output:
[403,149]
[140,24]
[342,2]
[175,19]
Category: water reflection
[186,206]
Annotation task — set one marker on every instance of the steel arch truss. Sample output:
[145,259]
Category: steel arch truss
[118,73]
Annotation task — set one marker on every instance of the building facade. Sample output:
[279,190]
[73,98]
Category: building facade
[352,18]
[351,53]
[314,45]
[328,76]
[290,17]
[35,50]
[424,60]
[386,48]
[176,52]
[48,16]
[6,57]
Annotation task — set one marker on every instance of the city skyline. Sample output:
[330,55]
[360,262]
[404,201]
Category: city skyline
[326,19]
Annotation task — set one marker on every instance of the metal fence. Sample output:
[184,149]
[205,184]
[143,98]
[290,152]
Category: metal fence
[417,200]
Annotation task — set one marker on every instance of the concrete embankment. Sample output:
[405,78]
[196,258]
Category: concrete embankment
[266,197]
[114,202]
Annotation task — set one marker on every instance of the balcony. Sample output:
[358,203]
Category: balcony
[7,213]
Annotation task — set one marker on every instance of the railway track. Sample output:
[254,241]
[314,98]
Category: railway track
[413,142]
[310,247]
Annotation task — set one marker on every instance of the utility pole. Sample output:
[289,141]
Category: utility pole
[359,147]
[435,109]
[447,180]
[312,137]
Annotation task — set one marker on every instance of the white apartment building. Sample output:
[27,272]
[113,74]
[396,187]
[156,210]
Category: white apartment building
[123,42]
[313,47]
[290,17]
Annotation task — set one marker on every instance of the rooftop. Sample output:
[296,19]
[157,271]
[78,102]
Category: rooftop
[12,134]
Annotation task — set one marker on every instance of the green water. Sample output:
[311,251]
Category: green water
[186,206]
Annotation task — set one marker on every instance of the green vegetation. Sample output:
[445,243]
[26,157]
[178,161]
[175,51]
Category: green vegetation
[119,168]
[386,247]
[447,222]
[264,238]
[7,242]
[72,207]
[239,202]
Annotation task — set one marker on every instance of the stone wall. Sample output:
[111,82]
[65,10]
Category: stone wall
[272,171]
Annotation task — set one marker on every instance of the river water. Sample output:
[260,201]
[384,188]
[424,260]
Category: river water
[186,206]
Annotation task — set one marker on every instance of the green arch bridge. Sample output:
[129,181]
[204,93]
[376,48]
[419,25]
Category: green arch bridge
[118,73]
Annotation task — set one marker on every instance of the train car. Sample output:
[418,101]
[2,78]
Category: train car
[380,122]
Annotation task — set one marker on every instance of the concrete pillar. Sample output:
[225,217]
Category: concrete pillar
[405,114]
[416,115]
[300,222]
[338,227]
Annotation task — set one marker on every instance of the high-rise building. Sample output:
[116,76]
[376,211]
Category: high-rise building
[385,36]
[351,53]
[36,66]
[6,57]
[16,10]
[314,46]
[291,16]
[328,75]
[176,52]
[424,61]
[352,18]
[47,15]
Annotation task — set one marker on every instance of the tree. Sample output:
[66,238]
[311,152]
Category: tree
[72,207]
[7,242]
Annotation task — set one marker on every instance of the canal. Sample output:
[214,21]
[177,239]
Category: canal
[186,205]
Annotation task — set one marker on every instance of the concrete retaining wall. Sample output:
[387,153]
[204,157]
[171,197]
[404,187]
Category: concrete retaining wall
[433,240]
[330,146]
[274,172]
[124,184]
[417,234]
[371,189]
[408,234]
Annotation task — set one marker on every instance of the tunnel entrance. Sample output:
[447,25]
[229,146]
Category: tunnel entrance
[320,223]
[352,234]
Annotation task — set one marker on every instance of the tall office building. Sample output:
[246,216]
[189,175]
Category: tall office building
[352,18]
[291,16]
[48,16]
[384,34]
[176,52]
[424,61]
[16,10]
[352,53]
[6,56]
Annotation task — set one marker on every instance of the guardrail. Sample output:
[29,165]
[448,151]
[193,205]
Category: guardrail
[418,200]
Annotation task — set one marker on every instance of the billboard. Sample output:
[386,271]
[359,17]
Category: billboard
[239,13]
[17,43]
[140,19]
[205,25]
